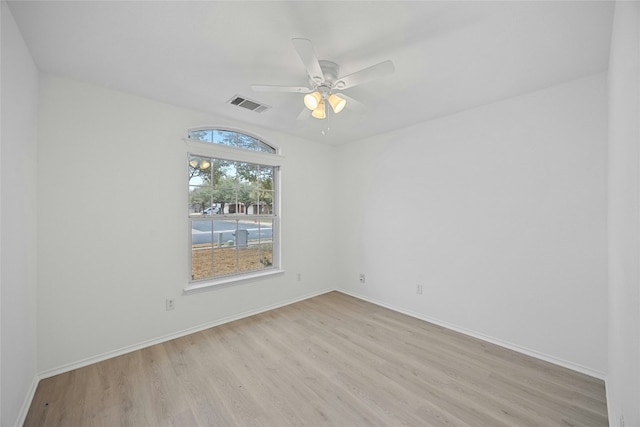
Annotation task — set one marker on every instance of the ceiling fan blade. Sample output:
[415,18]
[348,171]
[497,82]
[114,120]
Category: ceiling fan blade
[375,71]
[304,114]
[271,88]
[309,59]
[352,104]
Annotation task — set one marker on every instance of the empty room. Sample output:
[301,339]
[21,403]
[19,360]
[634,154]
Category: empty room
[347,213]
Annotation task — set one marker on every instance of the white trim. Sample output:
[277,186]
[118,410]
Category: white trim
[223,282]
[159,340]
[200,148]
[610,412]
[24,410]
[526,351]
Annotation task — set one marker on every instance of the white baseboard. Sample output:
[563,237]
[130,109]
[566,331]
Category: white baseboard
[611,412]
[24,410]
[527,351]
[148,343]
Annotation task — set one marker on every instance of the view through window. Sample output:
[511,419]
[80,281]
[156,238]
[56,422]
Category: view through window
[232,209]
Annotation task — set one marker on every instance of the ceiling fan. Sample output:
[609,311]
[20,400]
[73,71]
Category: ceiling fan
[325,83]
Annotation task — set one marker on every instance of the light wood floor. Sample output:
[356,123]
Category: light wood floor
[330,360]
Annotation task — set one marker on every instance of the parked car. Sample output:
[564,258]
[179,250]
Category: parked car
[211,210]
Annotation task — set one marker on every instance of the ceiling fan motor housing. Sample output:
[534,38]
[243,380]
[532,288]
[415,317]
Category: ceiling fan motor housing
[330,72]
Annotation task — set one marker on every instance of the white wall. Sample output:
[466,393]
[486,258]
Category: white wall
[113,227]
[623,385]
[18,221]
[498,212]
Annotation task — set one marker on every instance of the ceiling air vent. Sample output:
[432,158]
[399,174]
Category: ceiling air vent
[248,104]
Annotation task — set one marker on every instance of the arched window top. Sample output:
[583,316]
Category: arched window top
[231,138]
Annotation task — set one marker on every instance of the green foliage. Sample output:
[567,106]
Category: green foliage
[201,197]
[247,195]
[224,192]
[223,182]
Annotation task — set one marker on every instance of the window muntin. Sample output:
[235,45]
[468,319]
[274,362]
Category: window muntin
[232,215]
[231,139]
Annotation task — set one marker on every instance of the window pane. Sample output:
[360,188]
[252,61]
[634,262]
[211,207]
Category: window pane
[199,170]
[230,170]
[247,172]
[225,256]
[266,202]
[223,233]
[200,198]
[231,139]
[201,249]
[265,177]
[224,194]
[265,231]
[225,261]
[265,242]
[201,135]
[224,137]
[253,243]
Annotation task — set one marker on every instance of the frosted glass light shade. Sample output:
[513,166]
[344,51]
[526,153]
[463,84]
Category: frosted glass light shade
[337,103]
[319,113]
[311,100]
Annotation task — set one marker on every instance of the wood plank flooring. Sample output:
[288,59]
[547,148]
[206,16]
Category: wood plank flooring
[331,360]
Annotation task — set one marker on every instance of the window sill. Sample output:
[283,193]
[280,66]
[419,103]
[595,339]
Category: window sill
[230,280]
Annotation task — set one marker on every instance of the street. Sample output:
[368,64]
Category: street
[201,231]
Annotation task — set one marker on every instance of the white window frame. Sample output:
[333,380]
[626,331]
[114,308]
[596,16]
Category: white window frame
[208,149]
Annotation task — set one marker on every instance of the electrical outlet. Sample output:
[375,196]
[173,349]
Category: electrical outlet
[361,277]
[419,289]
[621,420]
[299,277]
[170,304]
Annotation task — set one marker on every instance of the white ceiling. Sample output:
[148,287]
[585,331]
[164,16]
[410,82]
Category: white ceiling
[449,56]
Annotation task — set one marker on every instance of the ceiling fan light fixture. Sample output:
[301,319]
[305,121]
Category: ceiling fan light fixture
[337,103]
[319,112]
[312,100]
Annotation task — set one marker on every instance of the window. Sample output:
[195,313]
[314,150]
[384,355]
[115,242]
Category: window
[231,139]
[233,207]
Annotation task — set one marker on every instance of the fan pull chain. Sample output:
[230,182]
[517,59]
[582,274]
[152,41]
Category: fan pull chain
[328,124]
